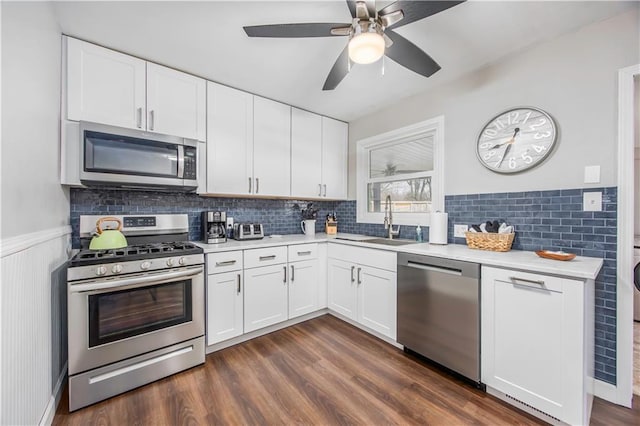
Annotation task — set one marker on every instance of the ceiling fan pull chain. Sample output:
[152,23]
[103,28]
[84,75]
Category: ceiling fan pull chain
[348,64]
[383,65]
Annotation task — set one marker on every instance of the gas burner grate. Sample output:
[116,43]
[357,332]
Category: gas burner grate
[133,252]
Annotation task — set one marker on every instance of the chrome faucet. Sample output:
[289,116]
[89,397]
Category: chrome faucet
[388,219]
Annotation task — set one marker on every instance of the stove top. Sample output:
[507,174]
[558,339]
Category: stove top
[134,252]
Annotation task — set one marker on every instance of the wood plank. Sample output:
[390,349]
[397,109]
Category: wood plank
[323,371]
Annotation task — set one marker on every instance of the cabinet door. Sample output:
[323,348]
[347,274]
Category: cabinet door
[229,140]
[271,148]
[265,296]
[303,287]
[224,306]
[176,103]
[377,299]
[529,333]
[104,86]
[342,290]
[335,138]
[306,154]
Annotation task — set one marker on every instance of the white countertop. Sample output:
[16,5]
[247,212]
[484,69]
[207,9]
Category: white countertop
[580,267]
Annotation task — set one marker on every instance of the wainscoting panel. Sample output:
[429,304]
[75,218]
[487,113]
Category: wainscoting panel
[32,326]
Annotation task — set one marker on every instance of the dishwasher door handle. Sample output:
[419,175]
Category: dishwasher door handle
[424,267]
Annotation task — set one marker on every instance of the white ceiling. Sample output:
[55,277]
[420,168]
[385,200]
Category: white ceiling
[207,39]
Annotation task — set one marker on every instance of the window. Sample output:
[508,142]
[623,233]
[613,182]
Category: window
[406,166]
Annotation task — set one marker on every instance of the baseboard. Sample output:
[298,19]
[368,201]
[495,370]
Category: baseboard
[367,329]
[52,406]
[605,391]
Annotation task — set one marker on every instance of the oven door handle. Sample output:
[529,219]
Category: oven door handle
[126,283]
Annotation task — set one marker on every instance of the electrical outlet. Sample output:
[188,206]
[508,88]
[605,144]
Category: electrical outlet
[229,222]
[459,230]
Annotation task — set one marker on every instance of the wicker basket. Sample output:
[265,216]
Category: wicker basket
[489,241]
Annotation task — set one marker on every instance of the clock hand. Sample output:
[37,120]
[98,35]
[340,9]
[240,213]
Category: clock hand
[506,151]
[510,141]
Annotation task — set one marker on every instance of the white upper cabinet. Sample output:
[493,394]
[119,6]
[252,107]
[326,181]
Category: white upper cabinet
[104,86]
[175,103]
[306,154]
[229,140]
[108,87]
[335,138]
[271,148]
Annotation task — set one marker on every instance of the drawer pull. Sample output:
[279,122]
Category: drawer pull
[225,263]
[525,280]
[270,257]
[304,253]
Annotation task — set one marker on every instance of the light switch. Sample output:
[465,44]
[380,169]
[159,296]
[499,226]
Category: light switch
[592,174]
[592,201]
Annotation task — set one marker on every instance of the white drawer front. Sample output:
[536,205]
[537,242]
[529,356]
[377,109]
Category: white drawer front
[527,279]
[382,259]
[303,252]
[224,262]
[265,256]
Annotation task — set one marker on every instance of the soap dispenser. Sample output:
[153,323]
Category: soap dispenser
[419,234]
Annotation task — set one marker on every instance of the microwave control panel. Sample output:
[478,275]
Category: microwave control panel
[190,163]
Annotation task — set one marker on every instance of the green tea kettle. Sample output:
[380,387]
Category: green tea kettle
[106,239]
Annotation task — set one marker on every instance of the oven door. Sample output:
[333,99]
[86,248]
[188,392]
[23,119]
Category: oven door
[125,157]
[114,319]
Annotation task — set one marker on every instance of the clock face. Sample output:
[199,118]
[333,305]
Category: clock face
[516,140]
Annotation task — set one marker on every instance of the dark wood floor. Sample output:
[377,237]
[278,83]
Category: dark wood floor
[323,371]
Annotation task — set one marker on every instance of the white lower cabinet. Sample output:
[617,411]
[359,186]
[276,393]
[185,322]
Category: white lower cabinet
[303,287]
[224,306]
[265,296]
[537,341]
[361,292]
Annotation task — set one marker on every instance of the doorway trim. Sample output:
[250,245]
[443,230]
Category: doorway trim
[624,290]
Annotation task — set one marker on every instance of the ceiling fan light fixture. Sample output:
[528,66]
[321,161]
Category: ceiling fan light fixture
[366,47]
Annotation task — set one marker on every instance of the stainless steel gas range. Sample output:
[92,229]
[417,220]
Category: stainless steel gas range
[136,314]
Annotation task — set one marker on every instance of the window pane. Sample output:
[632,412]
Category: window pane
[407,196]
[413,156]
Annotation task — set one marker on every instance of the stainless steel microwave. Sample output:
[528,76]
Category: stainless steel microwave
[128,158]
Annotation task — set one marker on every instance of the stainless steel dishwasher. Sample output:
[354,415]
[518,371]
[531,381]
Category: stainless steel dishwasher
[439,311]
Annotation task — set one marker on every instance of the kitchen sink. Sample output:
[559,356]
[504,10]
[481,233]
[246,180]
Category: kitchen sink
[388,242]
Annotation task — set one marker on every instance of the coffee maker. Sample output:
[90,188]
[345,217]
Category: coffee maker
[214,227]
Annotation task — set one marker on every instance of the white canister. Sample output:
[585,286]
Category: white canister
[438,228]
[308,227]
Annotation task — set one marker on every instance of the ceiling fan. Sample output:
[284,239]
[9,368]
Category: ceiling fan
[370,35]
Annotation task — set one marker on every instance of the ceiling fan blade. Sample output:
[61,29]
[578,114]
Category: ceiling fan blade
[365,11]
[339,70]
[294,30]
[416,10]
[410,56]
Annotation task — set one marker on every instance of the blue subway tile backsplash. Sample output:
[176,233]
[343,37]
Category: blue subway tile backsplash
[551,220]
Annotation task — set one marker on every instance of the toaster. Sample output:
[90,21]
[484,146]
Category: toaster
[248,231]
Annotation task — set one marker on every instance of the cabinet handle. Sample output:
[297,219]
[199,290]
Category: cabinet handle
[225,263]
[257,185]
[319,190]
[352,268]
[238,283]
[250,185]
[152,120]
[359,280]
[270,257]
[304,253]
[284,268]
[139,118]
[525,280]
[292,273]
[325,190]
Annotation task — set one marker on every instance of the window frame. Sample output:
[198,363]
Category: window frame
[433,127]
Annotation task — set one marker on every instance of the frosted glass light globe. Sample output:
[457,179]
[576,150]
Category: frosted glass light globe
[366,48]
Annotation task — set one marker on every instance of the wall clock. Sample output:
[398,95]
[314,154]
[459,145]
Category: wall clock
[516,140]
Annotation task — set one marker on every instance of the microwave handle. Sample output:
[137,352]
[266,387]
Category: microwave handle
[180,161]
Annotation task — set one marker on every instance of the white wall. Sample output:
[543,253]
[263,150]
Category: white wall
[573,77]
[32,198]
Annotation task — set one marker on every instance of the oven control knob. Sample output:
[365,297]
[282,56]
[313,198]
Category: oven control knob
[170,262]
[145,265]
[116,269]
[101,270]
[182,260]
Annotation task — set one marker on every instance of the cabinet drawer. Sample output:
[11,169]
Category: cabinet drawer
[265,256]
[224,262]
[364,256]
[303,252]
[527,279]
